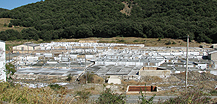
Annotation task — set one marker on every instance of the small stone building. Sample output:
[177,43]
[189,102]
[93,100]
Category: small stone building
[152,71]
[26,48]
[212,55]
[214,46]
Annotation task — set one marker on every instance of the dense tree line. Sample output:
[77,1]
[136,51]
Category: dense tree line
[54,19]
[3,10]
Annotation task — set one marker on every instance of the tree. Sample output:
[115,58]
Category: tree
[30,33]
[46,35]
[3,36]
[69,32]
[13,34]
[10,70]
[203,38]
[69,77]
[10,25]
[98,18]
[83,31]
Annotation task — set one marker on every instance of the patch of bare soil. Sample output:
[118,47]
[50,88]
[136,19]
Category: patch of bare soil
[127,9]
[175,84]
[205,82]
[6,21]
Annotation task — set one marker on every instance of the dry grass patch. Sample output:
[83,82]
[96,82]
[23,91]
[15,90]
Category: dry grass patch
[6,21]
[16,94]
[150,42]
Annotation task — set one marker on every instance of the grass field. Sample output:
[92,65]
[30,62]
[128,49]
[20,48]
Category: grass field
[149,42]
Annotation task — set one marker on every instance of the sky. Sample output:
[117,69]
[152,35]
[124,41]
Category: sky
[11,4]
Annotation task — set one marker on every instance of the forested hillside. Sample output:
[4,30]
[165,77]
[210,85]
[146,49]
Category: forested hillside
[54,19]
[2,10]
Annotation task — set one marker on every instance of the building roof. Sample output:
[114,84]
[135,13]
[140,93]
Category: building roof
[2,41]
[211,52]
[31,44]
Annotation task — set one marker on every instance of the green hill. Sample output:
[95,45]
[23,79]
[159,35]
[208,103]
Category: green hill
[54,19]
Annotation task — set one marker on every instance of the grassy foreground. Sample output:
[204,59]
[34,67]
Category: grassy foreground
[17,94]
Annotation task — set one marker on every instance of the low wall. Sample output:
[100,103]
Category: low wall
[160,73]
[149,68]
[35,77]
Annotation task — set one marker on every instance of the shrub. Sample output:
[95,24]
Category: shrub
[143,99]
[82,96]
[10,70]
[16,94]
[5,24]
[10,25]
[55,86]
[168,43]
[121,41]
[213,92]
[135,41]
[108,97]
[69,77]
[87,77]
[193,96]
[174,43]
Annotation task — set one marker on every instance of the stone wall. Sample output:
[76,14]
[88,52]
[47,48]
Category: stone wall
[159,73]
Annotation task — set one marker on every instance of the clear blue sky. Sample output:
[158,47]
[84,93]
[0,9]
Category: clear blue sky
[11,4]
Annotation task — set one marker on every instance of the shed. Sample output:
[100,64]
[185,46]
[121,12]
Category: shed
[214,46]
[212,55]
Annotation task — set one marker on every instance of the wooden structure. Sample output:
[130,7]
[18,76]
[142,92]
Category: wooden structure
[139,88]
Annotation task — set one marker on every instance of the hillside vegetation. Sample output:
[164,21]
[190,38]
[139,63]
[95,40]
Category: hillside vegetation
[4,22]
[56,19]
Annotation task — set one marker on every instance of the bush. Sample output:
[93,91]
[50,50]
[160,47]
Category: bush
[193,96]
[10,25]
[55,86]
[16,94]
[213,92]
[108,97]
[135,41]
[174,43]
[144,100]
[121,41]
[168,43]
[10,70]
[82,96]
[5,25]
[69,77]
